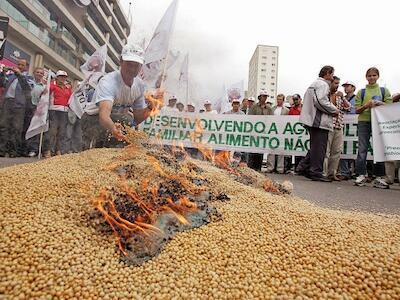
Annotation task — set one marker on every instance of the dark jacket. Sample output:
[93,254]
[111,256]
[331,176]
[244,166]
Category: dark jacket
[22,90]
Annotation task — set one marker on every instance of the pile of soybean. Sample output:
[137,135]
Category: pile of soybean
[265,246]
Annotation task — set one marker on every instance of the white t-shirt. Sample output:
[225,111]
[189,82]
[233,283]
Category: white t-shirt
[278,111]
[112,88]
[167,109]
[211,112]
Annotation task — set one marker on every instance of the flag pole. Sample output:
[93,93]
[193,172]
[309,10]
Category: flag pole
[187,84]
[40,145]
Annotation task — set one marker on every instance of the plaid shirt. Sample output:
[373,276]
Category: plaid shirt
[338,122]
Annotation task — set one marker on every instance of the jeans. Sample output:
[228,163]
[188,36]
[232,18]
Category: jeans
[364,135]
[345,167]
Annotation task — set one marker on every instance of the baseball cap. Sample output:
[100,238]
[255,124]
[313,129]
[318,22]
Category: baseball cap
[173,98]
[251,99]
[349,83]
[132,52]
[190,104]
[263,93]
[61,73]
[207,102]
[236,100]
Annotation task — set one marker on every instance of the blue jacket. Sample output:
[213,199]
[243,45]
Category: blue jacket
[22,91]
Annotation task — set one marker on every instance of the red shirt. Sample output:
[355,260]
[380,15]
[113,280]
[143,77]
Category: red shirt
[61,93]
[295,111]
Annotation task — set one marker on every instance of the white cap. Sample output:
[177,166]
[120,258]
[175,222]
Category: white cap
[61,73]
[235,100]
[207,102]
[251,99]
[263,93]
[191,104]
[173,98]
[349,83]
[132,52]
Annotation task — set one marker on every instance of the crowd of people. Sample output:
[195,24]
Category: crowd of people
[119,99]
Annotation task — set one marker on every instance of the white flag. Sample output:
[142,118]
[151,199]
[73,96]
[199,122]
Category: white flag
[95,66]
[92,69]
[158,47]
[235,91]
[184,74]
[152,72]
[40,122]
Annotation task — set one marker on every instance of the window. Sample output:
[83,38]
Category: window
[273,65]
[272,77]
[272,90]
[273,58]
[272,83]
[264,64]
[263,70]
[263,83]
[273,51]
[272,71]
[264,57]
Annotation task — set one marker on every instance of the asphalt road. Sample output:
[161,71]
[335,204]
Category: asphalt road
[344,195]
[337,195]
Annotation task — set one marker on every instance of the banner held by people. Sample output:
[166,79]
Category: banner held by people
[386,132]
[40,122]
[243,133]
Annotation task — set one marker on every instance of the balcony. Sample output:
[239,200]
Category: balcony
[32,8]
[109,11]
[102,17]
[39,45]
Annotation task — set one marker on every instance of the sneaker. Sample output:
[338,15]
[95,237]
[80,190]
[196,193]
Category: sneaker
[32,154]
[361,180]
[380,183]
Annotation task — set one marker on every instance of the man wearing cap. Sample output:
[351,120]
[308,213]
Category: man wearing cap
[56,140]
[208,109]
[190,107]
[16,99]
[120,94]
[171,107]
[261,108]
[235,108]
[316,115]
[250,103]
[345,164]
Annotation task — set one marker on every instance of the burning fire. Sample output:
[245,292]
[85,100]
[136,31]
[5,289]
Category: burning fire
[128,212]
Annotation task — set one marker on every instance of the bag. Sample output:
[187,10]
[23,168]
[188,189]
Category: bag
[382,93]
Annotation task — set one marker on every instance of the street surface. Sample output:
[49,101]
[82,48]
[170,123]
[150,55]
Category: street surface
[337,195]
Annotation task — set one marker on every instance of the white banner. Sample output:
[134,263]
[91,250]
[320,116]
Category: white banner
[243,133]
[40,122]
[92,69]
[386,132]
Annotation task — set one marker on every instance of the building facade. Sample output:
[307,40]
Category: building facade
[62,34]
[263,71]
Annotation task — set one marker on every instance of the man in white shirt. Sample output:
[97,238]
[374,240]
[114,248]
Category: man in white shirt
[120,94]
[207,106]
[278,110]
[171,107]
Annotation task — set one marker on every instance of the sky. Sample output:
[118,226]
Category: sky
[221,36]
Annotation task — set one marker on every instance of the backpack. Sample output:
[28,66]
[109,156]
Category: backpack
[382,93]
